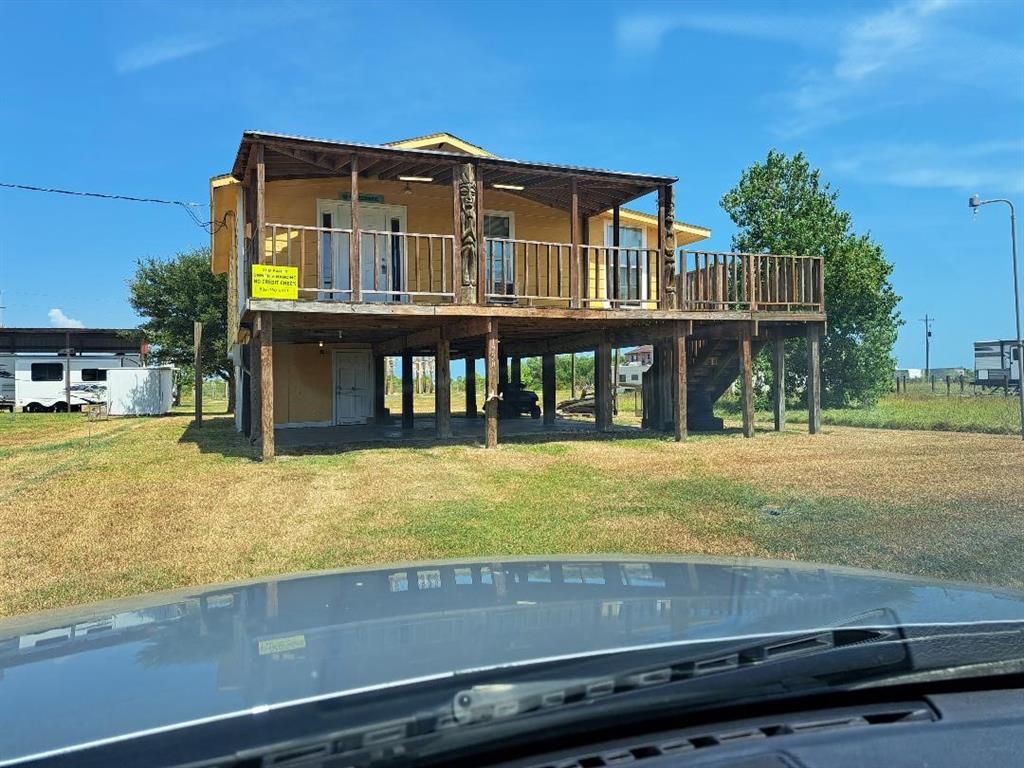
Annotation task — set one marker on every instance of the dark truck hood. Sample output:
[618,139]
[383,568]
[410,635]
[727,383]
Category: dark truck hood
[104,671]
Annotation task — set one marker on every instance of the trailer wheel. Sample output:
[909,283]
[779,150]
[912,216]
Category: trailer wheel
[60,407]
[31,408]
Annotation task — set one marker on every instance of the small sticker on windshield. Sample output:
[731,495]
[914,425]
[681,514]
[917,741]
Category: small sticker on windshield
[282,644]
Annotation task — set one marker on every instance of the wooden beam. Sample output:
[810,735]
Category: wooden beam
[443,390]
[261,206]
[603,386]
[470,387]
[680,383]
[354,240]
[197,367]
[575,288]
[452,331]
[779,380]
[407,391]
[267,385]
[747,376]
[491,403]
[548,384]
[379,381]
[813,378]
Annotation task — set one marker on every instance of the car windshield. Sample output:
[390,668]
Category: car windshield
[319,385]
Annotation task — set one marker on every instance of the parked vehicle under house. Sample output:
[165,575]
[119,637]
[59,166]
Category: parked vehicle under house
[433,246]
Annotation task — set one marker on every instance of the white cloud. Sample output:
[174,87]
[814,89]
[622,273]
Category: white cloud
[59,320]
[993,167]
[155,52]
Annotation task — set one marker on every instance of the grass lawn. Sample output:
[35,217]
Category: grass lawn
[111,508]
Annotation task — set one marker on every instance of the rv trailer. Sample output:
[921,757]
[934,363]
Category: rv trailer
[995,364]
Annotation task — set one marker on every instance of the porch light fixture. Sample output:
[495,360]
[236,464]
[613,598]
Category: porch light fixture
[416,178]
[321,345]
[513,187]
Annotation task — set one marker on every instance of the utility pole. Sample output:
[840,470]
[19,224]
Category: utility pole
[927,345]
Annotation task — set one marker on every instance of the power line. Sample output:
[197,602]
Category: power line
[185,205]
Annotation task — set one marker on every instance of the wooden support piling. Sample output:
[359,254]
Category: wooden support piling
[603,386]
[779,381]
[67,374]
[491,402]
[380,378]
[679,417]
[548,387]
[443,390]
[517,371]
[813,378]
[266,340]
[747,375]
[470,387]
[255,394]
[407,390]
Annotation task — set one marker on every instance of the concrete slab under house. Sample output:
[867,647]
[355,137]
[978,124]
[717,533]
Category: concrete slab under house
[339,255]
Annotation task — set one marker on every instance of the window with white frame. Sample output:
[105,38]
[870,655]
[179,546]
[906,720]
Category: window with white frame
[632,263]
[501,262]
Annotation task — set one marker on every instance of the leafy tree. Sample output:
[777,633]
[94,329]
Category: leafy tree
[782,206]
[170,295]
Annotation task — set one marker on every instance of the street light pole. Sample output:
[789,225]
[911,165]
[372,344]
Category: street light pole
[976,202]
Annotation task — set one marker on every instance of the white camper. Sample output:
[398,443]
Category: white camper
[39,383]
[995,364]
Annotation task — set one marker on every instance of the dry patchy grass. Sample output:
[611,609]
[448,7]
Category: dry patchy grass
[121,507]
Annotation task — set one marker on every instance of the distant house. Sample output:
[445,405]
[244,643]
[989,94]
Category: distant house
[911,374]
[637,361]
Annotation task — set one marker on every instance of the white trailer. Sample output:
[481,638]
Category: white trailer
[995,364]
[39,380]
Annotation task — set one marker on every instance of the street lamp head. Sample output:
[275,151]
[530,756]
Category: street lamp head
[974,202]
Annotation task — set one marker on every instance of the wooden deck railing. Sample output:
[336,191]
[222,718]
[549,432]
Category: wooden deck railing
[394,265]
[526,271]
[411,266]
[716,281]
[618,276]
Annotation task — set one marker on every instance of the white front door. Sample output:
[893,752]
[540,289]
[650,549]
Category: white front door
[353,383]
[379,252]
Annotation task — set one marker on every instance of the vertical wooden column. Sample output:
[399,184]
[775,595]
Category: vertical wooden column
[665,385]
[603,386]
[679,381]
[491,402]
[517,371]
[355,239]
[260,251]
[747,377]
[407,390]
[614,295]
[457,274]
[470,387]
[572,374]
[779,380]
[481,241]
[813,379]
[467,231]
[266,339]
[443,390]
[548,383]
[667,246]
[502,370]
[575,287]
[380,378]
[255,393]
[67,371]
[197,368]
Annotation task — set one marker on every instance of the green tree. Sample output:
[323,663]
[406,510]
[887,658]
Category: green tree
[169,295]
[532,372]
[782,206]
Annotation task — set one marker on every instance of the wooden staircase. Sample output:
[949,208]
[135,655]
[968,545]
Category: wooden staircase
[712,366]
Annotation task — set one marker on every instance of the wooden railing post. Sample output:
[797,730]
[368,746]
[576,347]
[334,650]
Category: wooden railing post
[354,239]
[575,287]
[261,206]
[481,259]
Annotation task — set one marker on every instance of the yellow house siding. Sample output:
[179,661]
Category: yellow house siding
[302,384]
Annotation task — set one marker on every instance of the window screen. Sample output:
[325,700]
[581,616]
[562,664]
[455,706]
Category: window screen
[47,371]
[94,374]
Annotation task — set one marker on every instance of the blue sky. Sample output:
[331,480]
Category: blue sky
[907,108]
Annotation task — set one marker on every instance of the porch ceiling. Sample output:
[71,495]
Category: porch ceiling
[293,157]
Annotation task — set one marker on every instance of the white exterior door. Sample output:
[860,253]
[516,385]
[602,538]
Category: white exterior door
[353,384]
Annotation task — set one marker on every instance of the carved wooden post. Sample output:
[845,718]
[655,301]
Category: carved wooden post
[468,231]
[666,246]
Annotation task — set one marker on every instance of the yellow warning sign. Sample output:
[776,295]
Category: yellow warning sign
[282,644]
[270,282]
